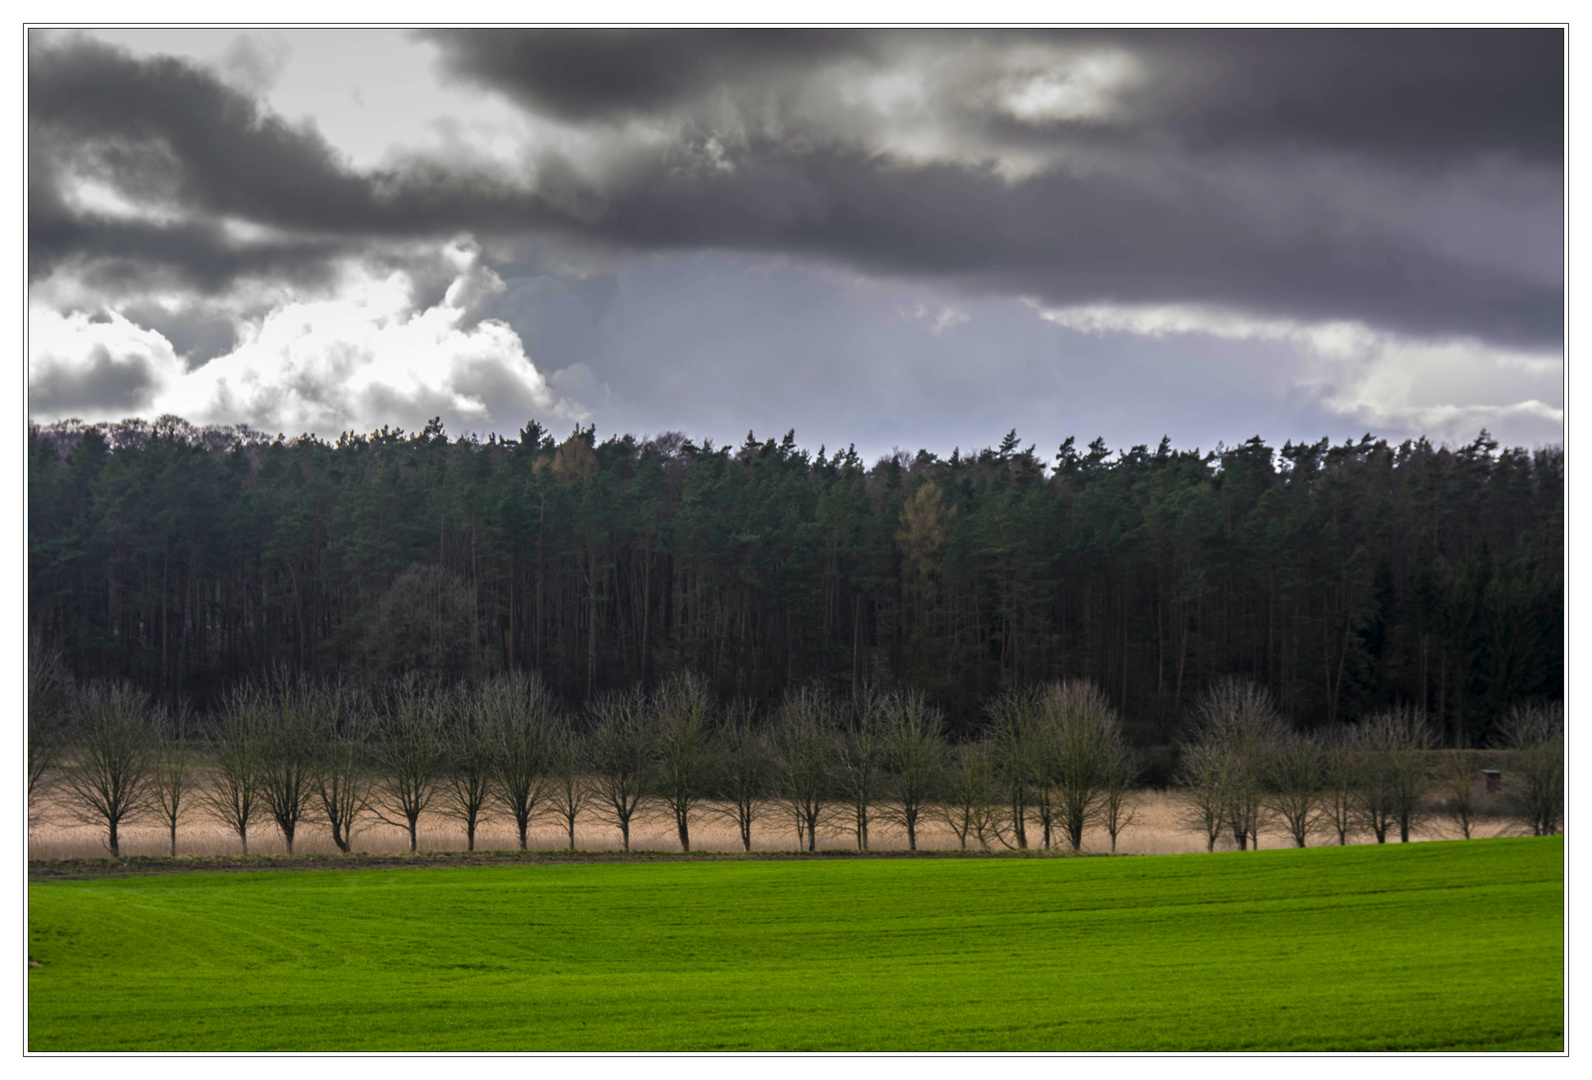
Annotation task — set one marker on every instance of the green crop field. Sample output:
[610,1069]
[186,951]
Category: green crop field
[1406,947]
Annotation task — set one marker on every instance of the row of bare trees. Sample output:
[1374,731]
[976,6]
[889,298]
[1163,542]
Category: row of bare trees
[1244,768]
[287,753]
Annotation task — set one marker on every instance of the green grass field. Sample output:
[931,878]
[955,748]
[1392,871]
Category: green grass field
[1426,946]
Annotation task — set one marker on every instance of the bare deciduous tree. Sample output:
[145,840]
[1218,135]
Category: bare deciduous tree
[342,773]
[622,748]
[1239,719]
[287,752]
[1535,733]
[971,792]
[1014,754]
[1456,781]
[232,795]
[172,771]
[1079,733]
[1339,792]
[681,718]
[1294,784]
[743,770]
[468,762]
[1204,781]
[108,777]
[914,742]
[1119,797]
[408,754]
[1391,751]
[523,719]
[859,760]
[568,789]
[802,743]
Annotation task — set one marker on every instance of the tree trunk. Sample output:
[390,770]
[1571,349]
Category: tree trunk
[511,609]
[1182,660]
[591,630]
[115,839]
[165,607]
[646,609]
[537,602]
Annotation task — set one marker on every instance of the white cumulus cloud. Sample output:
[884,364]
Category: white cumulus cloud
[99,367]
[359,359]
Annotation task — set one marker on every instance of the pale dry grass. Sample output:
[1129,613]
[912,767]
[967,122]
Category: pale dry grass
[1156,830]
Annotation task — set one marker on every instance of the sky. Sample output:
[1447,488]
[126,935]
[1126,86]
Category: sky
[892,238]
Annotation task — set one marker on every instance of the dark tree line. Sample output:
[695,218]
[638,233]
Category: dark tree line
[1345,579]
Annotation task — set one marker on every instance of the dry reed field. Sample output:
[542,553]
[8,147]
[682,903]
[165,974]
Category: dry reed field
[1156,830]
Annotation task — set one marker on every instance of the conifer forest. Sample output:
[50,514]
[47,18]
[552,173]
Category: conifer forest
[1345,579]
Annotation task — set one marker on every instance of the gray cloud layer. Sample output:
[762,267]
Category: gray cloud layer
[1216,233]
[1407,92]
[121,384]
[1282,172]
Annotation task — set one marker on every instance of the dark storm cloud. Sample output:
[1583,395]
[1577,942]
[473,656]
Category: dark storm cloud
[164,131]
[1161,222]
[1209,177]
[196,335]
[1083,239]
[1406,93]
[606,75]
[103,382]
[1402,91]
[124,257]
[168,135]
